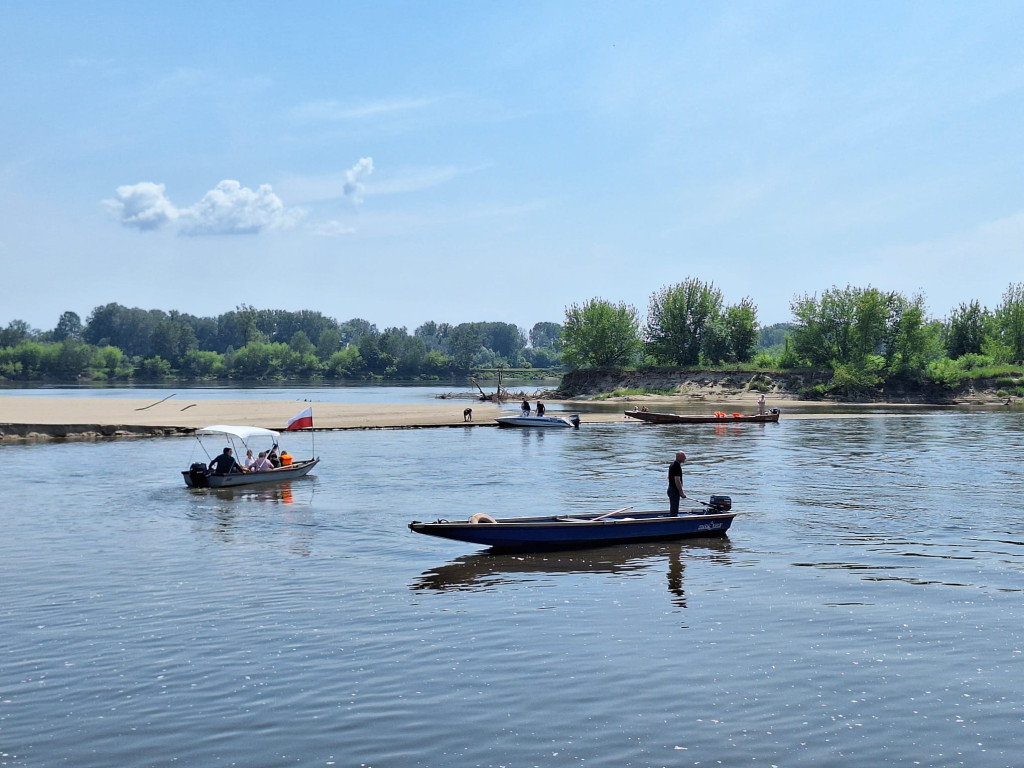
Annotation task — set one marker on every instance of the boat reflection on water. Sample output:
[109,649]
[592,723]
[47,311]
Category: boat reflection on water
[485,571]
[281,493]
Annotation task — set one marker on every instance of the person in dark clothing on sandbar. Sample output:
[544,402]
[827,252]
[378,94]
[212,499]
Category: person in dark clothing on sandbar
[675,483]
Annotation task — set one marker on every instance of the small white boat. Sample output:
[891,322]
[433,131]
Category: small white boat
[198,474]
[544,422]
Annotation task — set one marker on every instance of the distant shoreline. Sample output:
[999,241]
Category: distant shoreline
[748,385]
[42,419]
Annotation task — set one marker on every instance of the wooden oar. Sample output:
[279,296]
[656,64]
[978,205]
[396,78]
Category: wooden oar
[609,514]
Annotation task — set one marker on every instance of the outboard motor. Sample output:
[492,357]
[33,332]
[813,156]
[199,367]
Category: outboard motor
[719,504]
[575,420]
[198,473]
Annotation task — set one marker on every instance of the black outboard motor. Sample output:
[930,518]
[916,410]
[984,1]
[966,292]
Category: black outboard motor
[575,420]
[198,473]
[719,504]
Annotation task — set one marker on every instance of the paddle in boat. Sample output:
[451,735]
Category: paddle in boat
[542,422]
[771,417]
[526,534]
[238,438]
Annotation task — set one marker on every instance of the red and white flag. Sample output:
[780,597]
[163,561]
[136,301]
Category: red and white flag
[303,420]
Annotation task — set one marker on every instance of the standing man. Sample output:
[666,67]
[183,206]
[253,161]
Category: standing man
[760,406]
[675,483]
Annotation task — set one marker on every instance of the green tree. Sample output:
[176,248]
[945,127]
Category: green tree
[110,363]
[546,335]
[202,364]
[599,334]
[966,330]
[68,327]
[844,327]
[345,363]
[72,360]
[155,368]
[16,332]
[677,319]
[434,335]
[464,341]
[916,341]
[407,352]
[772,335]
[300,343]
[328,343]
[741,326]
[1010,321]
[505,339]
[353,330]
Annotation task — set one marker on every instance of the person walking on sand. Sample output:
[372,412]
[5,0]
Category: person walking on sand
[675,483]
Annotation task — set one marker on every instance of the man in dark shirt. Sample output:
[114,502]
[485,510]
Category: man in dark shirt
[675,483]
[225,464]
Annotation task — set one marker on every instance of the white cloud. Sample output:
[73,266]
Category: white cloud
[231,209]
[354,176]
[333,229]
[143,206]
[331,110]
[227,209]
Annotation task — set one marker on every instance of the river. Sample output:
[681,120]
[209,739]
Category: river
[865,609]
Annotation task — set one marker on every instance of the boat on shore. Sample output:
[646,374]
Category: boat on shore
[555,532]
[198,475]
[770,417]
[542,422]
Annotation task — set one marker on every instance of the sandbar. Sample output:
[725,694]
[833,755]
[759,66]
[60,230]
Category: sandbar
[33,418]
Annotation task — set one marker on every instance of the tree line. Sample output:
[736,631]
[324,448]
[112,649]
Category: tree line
[118,343]
[863,336]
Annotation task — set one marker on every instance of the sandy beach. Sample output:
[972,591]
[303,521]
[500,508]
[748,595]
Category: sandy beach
[44,417]
[48,418]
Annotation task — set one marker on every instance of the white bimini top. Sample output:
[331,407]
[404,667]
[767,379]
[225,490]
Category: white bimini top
[243,433]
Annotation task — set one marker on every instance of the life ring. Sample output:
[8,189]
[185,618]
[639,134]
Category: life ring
[482,517]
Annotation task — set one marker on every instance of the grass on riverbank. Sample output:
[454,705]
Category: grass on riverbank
[636,392]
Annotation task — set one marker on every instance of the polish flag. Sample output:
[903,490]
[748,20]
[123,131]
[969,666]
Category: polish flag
[303,420]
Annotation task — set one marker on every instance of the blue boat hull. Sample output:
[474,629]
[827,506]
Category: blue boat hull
[578,531]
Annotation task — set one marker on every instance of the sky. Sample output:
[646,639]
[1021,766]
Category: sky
[482,161]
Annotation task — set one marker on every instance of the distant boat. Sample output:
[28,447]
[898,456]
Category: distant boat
[198,474]
[771,417]
[555,532]
[543,422]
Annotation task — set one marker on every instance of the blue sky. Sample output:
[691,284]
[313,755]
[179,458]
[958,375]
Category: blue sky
[464,161]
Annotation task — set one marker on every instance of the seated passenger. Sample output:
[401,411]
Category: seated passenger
[262,464]
[286,458]
[225,464]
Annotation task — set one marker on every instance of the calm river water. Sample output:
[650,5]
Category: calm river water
[865,610]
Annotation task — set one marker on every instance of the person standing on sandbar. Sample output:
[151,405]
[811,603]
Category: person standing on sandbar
[675,483]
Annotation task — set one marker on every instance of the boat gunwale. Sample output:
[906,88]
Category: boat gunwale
[652,516]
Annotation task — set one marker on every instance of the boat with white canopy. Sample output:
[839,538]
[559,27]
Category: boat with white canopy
[241,439]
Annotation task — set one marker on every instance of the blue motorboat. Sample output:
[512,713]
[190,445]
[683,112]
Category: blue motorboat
[583,530]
